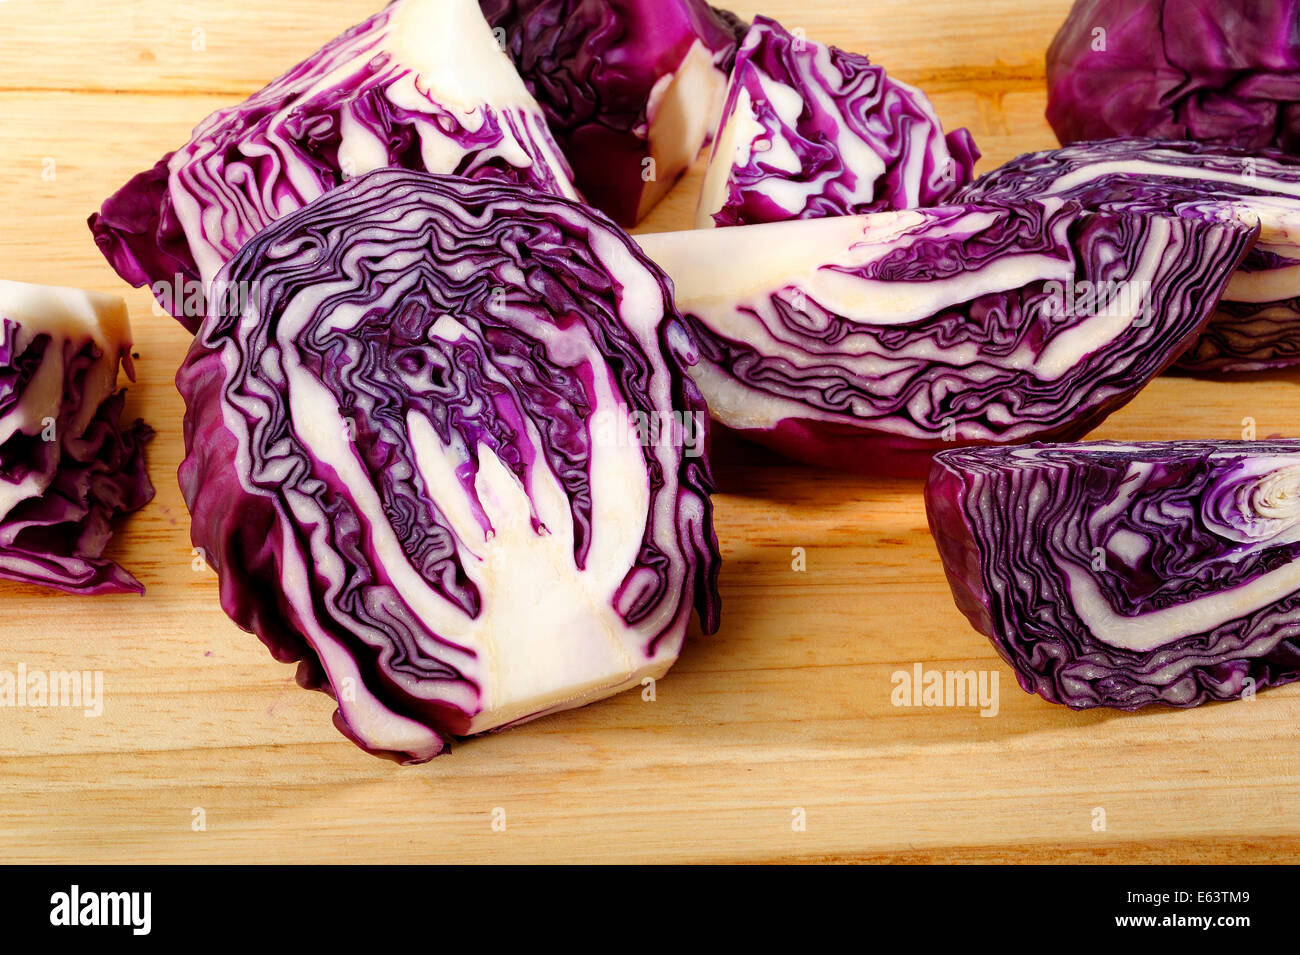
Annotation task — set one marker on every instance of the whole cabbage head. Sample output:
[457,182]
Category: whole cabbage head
[445,456]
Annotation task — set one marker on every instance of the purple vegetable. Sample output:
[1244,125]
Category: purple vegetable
[631,88]
[808,131]
[1257,325]
[67,466]
[1217,71]
[1122,575]
[448,459]
[422,85]
[869,342]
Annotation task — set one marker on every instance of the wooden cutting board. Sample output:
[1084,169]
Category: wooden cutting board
[776,739]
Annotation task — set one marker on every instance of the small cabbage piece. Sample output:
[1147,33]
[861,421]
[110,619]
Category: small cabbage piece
[422,84]
[808,130]
[869,342]
[1257,325]
[1217,71]
[68,467]
[447,457]
[632,88]
[1121,575]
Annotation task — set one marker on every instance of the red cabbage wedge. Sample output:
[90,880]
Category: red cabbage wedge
[68,466]
[1216,71]
[870,342]
[631,88]
[421,84]
[1122,575]
[447,458]
[1257,325]
[808,130]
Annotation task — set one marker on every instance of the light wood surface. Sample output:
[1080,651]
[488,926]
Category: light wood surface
[787,708]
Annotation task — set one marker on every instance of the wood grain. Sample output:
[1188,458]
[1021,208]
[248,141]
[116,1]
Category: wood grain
[787,708]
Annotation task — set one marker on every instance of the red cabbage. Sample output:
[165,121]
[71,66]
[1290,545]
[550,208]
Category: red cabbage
[632,88]
[68,467]
[1123,575]
[1217,71]
[421,84]
[446,457]
[869,342]
[808,130]
[1257,325]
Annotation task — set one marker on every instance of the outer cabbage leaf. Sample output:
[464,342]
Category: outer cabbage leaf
[434,458]
[421,84]
[1217,71]
[632,88]
[1257,325]
[67,466]
[1122,575]
[869,342]
[808,130]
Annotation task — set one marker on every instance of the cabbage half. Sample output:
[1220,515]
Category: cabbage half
[447,458]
